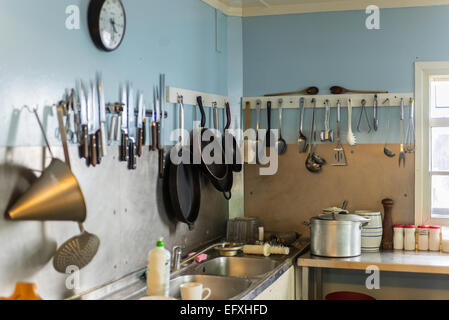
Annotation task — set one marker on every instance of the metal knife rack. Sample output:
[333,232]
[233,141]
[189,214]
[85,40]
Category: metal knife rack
[172,95]
[149,113]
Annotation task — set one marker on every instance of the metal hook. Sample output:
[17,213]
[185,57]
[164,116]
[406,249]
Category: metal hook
[29,109]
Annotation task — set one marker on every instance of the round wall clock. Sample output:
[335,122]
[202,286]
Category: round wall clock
[107,23]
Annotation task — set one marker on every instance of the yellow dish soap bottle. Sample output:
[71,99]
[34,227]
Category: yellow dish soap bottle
[158,277]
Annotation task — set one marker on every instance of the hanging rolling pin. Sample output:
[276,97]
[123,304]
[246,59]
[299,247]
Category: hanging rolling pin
[387,236]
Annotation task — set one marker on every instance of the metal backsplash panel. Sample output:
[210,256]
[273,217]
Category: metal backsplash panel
[125,209]
[285,201]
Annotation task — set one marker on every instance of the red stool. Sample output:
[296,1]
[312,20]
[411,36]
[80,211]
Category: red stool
[344,295]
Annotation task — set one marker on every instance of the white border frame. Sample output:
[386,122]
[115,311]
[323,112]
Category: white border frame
[265,9]
[423,72]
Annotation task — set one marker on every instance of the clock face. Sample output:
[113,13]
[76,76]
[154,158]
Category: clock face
[107,23]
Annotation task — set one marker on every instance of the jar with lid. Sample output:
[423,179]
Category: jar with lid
[423,238]
[434,238]
[398,239]
[409,237]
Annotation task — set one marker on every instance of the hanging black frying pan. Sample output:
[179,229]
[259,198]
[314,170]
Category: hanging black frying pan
[236,164]
[219,174]
[183,181]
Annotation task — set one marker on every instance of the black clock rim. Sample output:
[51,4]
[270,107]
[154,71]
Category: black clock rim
[93,15]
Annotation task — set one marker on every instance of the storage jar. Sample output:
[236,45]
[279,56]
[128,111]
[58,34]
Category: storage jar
[445,239]
[423,238]
[398,239]
[434,238]
[372,232]
[409,237]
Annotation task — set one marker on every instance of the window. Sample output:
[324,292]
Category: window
[432,143]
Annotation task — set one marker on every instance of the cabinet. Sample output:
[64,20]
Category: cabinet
[282,289]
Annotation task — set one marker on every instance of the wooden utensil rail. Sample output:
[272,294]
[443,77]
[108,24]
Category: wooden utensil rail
[292,102]
[190,96]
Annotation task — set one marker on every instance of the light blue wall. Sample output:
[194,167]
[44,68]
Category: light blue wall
[235,67]
[292,52]
[40,58]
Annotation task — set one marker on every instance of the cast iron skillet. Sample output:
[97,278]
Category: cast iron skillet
[219,174]
[236,164]
[183,182]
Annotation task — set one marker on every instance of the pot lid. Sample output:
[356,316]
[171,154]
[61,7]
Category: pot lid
[335,210]
[343,217]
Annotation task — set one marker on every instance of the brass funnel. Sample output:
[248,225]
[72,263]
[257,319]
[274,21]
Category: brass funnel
[55,196]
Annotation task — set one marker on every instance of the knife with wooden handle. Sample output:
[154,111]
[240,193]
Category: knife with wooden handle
[102,107]
[140,118]
[124,126]
[118,123]
[97,122]
[84,138]
[131,129]
[91,117]
[154,124]
[144,126]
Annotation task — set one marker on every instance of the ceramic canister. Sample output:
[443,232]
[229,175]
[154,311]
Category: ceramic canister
[372,232]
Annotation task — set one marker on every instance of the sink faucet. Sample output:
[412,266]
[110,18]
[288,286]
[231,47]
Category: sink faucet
[177,253]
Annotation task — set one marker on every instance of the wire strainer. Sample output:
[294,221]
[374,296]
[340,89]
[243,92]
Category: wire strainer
[79,250]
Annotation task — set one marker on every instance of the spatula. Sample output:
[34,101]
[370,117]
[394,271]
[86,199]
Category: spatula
[339,158]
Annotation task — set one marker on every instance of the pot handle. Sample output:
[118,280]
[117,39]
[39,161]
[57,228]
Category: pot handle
[364,223]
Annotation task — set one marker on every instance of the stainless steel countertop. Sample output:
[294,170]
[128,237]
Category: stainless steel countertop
[392,260]
[133,286]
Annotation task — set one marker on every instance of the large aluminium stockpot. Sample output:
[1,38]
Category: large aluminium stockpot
[336,235]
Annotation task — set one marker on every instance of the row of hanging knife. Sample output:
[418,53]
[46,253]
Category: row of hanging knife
[86,110]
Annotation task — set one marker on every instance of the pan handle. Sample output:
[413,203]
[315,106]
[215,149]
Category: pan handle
[269,124]
[228,116]
[181,118]
[199,100]
[227,195]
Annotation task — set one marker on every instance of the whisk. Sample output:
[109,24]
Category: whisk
[410,135]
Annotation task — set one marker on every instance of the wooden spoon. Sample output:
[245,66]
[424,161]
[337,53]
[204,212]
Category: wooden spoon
[309,91]
[341,90]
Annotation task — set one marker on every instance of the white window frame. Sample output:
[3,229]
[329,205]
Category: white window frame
[424,71]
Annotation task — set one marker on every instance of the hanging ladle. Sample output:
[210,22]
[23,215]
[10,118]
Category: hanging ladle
[311,164]
[281,145]
[387,151]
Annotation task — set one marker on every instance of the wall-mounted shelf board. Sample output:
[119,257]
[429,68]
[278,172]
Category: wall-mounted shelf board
[292,102]
[189,97]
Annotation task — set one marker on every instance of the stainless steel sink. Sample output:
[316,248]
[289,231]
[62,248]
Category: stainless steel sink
[222,288]
[237,266]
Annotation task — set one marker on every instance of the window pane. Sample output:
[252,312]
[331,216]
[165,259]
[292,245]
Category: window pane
[440,148]
[439,98]
[440,199]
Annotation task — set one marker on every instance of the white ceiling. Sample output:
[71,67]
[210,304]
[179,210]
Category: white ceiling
[272,7]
